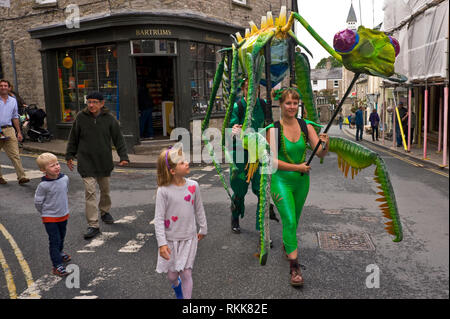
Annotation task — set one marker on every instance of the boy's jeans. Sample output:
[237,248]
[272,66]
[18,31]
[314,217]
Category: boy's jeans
[56,233]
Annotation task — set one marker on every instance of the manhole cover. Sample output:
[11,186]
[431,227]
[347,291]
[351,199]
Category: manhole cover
[345,241]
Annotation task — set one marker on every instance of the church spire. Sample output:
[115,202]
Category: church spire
[351,18]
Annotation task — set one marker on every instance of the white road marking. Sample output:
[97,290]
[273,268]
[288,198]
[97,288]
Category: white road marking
[134,245]
[43,284]
[129,219]
[85,297]
[103,275]
[196,176]
[97,242]
[208,168]
[29,174]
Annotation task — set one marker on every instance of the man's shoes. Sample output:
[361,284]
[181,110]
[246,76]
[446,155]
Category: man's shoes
[3,181]
[91,232]
[23,180]
[296,274]
[235,225]
[107,218]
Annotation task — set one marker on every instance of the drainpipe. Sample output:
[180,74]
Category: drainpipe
[440,122]
[425,122]
[444,150]
[409,118]
[13,58]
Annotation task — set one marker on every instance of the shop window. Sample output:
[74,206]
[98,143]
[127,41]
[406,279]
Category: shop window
[158,47]
[203,63]
[83,70]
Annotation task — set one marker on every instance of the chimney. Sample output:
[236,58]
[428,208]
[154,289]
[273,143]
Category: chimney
[328,65]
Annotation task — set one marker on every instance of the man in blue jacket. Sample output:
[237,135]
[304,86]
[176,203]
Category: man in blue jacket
[359,121]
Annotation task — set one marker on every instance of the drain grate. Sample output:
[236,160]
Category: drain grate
[345,241]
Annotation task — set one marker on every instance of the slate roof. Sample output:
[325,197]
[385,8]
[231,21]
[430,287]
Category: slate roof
[324,74]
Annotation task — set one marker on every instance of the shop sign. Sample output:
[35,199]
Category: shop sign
[153,32]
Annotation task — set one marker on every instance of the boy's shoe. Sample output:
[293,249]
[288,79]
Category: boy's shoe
[65,258]
[177,289]
[91,232]
[107,218]
[60,271]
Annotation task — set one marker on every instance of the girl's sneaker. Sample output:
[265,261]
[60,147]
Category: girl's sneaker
[65,258]
[60,271]
[177,289]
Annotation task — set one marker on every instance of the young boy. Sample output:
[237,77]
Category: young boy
[52,203]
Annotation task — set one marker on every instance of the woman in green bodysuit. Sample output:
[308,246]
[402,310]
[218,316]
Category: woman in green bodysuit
[288,187]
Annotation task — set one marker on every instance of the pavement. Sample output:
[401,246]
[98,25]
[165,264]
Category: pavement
[433,157]
[58,147]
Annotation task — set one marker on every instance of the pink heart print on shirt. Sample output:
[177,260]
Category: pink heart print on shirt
[192,202]
[174,218]
[187,198]
[167,223]
[191,189]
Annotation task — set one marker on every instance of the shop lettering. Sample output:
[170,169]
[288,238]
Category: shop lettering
[153,32]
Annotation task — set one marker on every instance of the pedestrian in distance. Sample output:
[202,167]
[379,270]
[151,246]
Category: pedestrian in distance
[340,120]
[403,112]
[9,117]
[290,183]
[90,143]
[374,120]
[359,122]
[51,202]
[178,209]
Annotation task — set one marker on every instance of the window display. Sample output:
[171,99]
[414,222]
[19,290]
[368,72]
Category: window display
[84,70]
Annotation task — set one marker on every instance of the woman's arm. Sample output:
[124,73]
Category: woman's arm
[314,139]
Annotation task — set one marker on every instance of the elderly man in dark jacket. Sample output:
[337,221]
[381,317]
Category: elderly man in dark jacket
[90,142]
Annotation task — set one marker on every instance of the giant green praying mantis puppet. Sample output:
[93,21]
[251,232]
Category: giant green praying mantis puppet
[262,56]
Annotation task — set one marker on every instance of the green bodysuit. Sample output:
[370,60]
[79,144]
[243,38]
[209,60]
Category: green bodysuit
[289,191]
[238,179]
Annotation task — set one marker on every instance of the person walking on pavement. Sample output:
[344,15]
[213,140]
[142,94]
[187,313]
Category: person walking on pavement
[374,120]
[359,121]
[145,102]
[90,143]
[9,115]
[403,112]
[340,120]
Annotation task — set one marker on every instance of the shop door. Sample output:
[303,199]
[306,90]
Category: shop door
[155,85]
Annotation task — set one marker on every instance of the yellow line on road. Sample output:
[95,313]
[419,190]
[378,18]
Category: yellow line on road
[8,276]
[23,264]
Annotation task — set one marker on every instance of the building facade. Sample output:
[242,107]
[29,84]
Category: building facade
[56,51]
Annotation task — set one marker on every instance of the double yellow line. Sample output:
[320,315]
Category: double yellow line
[23,264]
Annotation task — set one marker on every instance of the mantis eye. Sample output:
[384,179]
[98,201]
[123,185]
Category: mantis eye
[396,45]
[344,41]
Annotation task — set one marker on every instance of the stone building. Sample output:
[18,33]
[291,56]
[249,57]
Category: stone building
[65,48]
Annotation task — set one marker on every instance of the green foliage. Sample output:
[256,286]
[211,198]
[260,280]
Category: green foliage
[323,63]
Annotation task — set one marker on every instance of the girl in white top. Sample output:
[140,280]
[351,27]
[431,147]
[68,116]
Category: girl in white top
[178,208]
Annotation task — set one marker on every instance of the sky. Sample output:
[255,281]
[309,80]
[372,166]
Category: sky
[327,17]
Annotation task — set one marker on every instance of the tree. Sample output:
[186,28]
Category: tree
[323,63]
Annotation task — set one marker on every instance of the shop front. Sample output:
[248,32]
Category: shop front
[167,59]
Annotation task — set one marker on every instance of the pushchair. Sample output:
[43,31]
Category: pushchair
[36,132]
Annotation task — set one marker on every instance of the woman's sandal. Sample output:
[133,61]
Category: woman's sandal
[296,274]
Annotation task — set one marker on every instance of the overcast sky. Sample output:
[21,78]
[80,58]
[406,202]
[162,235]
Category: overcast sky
[328,17]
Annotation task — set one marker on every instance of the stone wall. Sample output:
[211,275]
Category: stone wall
[24,15]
